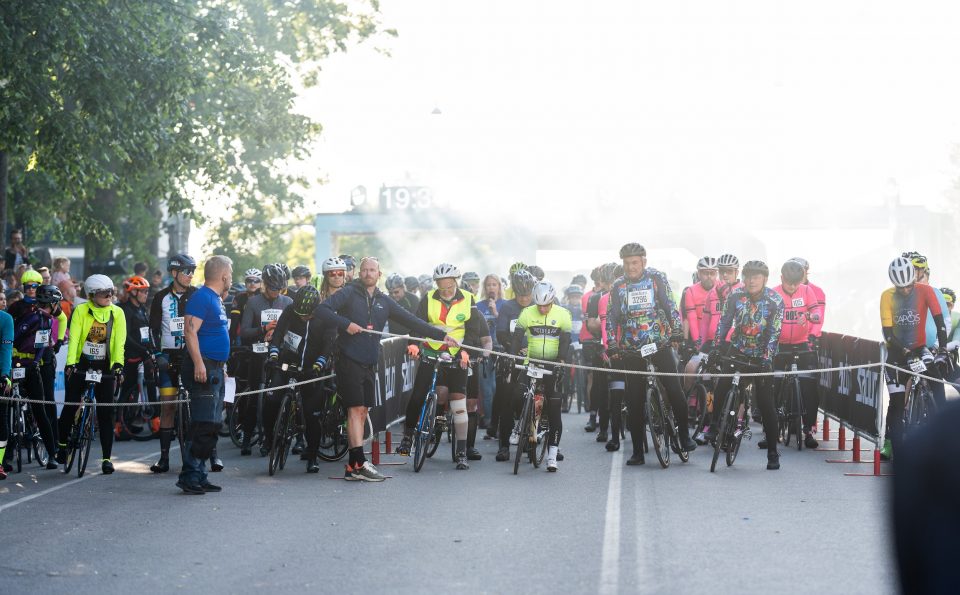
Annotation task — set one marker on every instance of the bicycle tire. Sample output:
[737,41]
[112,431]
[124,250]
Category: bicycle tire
[722,430]
[180,424]
[290,432]
[234,426]
[522,443]
[333,431]
[698,392]
[657,424]
[543,436]
[734,440]
[797,425]
[682,453]
[436,436]
[225,413]
[279,429]
[424,431]
[40,454]
[86,439]
[16,437]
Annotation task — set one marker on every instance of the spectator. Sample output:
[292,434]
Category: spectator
[45,275]
[69,296]
[3,300]
[61,271]
[17,253]
[10,280]
[156,284]
[140,269]
[13,297]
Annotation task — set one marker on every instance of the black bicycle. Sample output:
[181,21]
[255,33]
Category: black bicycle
[333,426]
[734,421]
[531,428]
[426,439]
[919,407]
[235,415]
[289,422]
[789,405]
[84,423]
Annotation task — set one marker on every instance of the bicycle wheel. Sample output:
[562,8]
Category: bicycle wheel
[279,431]
[73,442]
[522,443]
[182,423]
[657,422]
[739,422]
[696,407]
[543,441]
[424,435]
[725,420]
[234,426]
[796,423]
[40,454]
[333,430]
[86,439]
[17,438]
[438,431]
[290,432]
[683,453]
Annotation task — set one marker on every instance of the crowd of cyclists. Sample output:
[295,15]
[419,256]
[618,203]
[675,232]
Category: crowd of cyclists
[622,322]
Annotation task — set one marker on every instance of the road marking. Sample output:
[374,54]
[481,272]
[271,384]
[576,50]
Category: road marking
[87,475]
[610,560]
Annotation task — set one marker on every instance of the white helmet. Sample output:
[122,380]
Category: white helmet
[544,294]
[902,272]
[97,283]
[333,264]
[252,274]
[708,263]
[728,261]
[446,271]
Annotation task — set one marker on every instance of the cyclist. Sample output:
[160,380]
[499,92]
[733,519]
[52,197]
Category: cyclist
[351,264]
[522,283]
[98,331]
[728,267]
[6,361]
[641,312]
[923,277]
[399,294]
[48,363]
[412,286]
[508,292]
[801,312]
[302,341]
[33,336]
[591,347]
[904,310]
[600,389]
[334,276]
[301,275]
[696,300]
[950,297]
[545,328]
[817,292]
[471,283]
[426,285]
[167,330]
[251,283]
[138,349]
[455,312]
[359,353]
[475,376]
[752,320]
[256,330]
[616,383]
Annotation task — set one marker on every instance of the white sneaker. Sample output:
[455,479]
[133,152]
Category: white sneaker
[514,438]
[552,458]
[367,472]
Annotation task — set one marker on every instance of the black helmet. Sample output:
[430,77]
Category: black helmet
[756,267]
[632,249]
[300,271]
[349,261]
[411,283]
[595,274]
[305,300]
[536,271]
[522,282]
[274,278]
[579,280]
[394,281]
[608,272]
[470,276]
[49,294]
[792,271]
[181,261]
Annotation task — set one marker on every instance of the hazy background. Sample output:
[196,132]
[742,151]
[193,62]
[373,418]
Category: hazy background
[767,129]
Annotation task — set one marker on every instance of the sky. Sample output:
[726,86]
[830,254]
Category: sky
[712,119]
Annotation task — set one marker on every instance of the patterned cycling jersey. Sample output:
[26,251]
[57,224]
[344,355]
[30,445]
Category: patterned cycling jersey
[822,302]
[642,311]
[801,311]
[907,314]
[694,304]
[753,326]
[713,309]
[543,331]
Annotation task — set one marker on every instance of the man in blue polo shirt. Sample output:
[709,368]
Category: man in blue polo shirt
[206,334]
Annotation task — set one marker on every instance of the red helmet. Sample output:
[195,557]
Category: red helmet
[134,283]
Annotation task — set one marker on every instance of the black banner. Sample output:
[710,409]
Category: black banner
[852,396]
[394,382]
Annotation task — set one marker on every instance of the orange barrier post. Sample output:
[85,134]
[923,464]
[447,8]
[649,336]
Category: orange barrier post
[387,446]
[375,449]
[856,447]
[842,438]
[826,428]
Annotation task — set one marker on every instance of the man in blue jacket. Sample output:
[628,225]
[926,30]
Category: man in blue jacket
[360,306]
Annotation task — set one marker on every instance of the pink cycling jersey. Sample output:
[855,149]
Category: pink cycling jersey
[585,335]
[817,329]
[694,304]
[713,309]
[602,309]
[801,311]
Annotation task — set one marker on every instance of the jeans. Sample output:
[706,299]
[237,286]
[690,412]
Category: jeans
[488,385]
[206,409]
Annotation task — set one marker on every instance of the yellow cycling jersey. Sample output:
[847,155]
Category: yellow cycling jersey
[543,331]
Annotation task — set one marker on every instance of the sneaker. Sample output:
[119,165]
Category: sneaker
[403,449]
[503,454]
[348,473]
[613,445]
[7,467]
[552,459]
[264,450]
[809,441]
[592,424]
[161,466]
[51,465]
[3,474]
[474,455]
[61,455]
[636,459]
[209,487]
[687,444]
[462,464]
[514,438]
[490,434]
[773,461]
[711,434]
[602,436]
[701,437]
[297,446]
[886,452]
[313,466]
[367,472]
[194,489]
[762,444]
[559,455]
[106,467]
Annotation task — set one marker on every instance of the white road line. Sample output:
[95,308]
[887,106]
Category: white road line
[118,466]
[610,561]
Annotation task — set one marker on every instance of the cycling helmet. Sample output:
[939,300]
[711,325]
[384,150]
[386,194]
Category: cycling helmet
[579,280]
[792,272]
[306,299]
[181,261]
[802,262]
[394,281]
[334,263]
[608,272]
[48,294]
[536,272]
[134,283]
[595,275]
[283,267]
[300,271]
[949,295]
[274,278]
[728,261]
[411,283]
[446,271]
[918,260]
[632,249]
[349,261]
[544,293]
[516,267]
[522,282]
[902,272]
[756,267]
[707,263]
[471,276]
[251,274]
[573,290]
[31,276]
[96,284]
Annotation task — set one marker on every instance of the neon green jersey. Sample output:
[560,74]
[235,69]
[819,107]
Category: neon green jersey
[543,331]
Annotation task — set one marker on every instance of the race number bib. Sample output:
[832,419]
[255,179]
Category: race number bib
[640,298]
[144,334]
[513,325]
[96,351]
[269,315]
[292,341]
[93,376]
[797,302]
[19,373]
[259,347]
[917,366]
[41,339]
[176,325]
[648,349]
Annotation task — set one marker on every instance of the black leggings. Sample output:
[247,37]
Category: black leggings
[600,399]
[250,403]
[103,393]
[664,360]
[808,385]
[31,387]
[764,395]
[553,404]
[48,375]
[311,396]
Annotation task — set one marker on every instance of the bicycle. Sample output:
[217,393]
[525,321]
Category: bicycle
[84,422]
[289,422]
[16,424]
[424,436]
[698,399]
[234,419]
[530,427]
[136,421]
[333,428]
[734,423]
[919,406]
[789,404]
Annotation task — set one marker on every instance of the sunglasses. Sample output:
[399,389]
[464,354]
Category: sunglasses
[253,281]
[336,273]
[31,285]
[188,272]
[105,293]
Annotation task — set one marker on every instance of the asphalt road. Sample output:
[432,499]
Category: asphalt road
[595,526]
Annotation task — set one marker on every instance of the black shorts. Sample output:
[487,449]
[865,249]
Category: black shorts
[473,382]
[355,383]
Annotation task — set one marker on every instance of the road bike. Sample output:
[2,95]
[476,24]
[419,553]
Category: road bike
[531,429]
